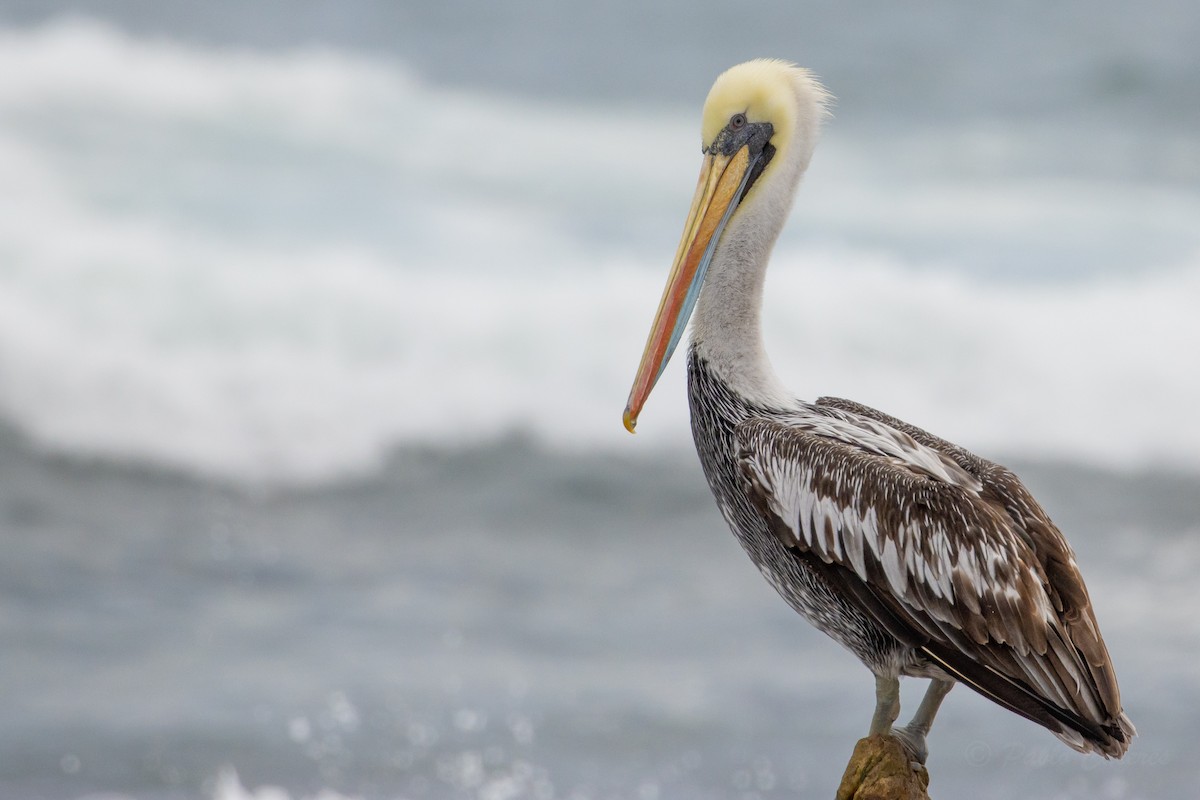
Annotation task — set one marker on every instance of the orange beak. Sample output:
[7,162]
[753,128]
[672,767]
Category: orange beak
[722,181]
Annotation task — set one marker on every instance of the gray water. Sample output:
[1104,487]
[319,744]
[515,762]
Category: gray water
[500,621]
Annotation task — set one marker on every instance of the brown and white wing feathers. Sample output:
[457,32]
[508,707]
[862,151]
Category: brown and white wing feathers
[951,550]
[1064,583]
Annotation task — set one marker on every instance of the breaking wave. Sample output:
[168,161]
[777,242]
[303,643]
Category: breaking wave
[278,267]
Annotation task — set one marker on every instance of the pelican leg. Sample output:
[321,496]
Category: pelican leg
[887,705]
[912,735]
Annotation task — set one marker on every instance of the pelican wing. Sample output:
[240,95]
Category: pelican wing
[948,552]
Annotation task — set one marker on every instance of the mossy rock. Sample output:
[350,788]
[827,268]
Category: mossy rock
[880,769]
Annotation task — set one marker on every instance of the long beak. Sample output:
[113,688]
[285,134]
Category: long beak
[722,181]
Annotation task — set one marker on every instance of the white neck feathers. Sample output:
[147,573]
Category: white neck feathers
[726,326]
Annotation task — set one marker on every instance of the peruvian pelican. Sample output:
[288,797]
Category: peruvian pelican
[918,556]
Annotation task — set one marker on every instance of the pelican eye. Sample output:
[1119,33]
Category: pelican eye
[737,121]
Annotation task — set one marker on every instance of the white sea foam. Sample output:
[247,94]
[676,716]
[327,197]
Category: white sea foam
[277,267]
[229,787]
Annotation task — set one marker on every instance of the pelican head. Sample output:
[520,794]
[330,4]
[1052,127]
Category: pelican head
[760,124]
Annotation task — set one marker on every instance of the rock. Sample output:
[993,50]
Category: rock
[880,769]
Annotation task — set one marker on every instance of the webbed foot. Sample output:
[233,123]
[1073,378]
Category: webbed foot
[912,739]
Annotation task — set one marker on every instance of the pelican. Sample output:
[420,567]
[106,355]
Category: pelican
[921,558]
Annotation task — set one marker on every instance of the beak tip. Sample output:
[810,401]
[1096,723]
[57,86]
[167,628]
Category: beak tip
[630,420]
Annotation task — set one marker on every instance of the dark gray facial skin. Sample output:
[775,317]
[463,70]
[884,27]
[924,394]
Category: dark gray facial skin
[740,133]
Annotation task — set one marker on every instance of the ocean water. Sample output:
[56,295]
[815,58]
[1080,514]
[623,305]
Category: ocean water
[502,621]
[316,326]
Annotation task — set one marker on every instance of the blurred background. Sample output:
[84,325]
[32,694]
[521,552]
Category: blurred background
[317,319]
